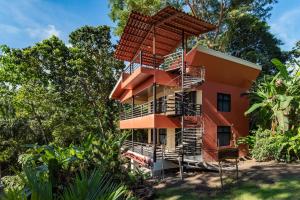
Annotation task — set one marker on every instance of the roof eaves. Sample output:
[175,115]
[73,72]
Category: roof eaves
[228,57]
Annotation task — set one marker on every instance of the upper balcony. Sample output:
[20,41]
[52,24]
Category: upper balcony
[149,43]
[144,70]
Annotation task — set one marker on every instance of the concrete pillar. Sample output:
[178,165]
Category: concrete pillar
[149,136]
[171,144]
[199,97]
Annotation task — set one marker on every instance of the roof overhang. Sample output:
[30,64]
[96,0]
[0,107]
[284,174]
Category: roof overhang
[167,25]
[227,57]
[223,68]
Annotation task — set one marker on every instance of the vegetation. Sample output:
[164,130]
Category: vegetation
[58,134]
[86,186]
[250,190]
[242,29]
[57,121]
[276,113]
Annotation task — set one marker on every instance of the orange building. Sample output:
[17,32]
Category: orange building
[180,104]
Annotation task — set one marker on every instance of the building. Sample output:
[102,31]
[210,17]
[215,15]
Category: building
[180,104]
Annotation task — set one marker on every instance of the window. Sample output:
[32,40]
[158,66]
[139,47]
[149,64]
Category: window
[224,102]
[224,135]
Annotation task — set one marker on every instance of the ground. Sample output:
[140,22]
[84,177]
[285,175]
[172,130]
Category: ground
[257,181]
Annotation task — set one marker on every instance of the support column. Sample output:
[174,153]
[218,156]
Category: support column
[154,95]
[132,107]
[154,130]
[182,93]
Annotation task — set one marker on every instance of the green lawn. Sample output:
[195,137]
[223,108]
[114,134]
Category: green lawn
[282,190]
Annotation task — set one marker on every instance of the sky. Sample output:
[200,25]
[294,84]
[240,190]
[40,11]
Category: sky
[25,22]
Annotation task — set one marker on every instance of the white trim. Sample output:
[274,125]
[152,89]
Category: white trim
[227,57]
[119,81]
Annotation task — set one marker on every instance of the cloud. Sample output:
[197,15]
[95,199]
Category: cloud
[286,27]
[9,29]
[43,33]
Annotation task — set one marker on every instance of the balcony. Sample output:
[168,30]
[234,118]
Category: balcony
[144,152]
[164,107]
[169,62]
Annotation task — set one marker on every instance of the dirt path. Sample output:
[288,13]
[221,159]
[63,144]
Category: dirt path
[207,182]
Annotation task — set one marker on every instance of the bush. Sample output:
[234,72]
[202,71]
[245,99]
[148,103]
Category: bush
[12,182]
[270,145]
[266,146]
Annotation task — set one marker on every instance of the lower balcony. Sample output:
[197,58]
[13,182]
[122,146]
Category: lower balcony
[143,152]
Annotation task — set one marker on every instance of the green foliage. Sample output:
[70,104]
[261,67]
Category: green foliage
[266,146]
[250,38]
[276,111]
[51,93]
[277,100]
[120,9]
[248,140]
[96,185]
[12,182]
[241,30]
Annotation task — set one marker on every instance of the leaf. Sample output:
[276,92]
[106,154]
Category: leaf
[281,67]
[254,107]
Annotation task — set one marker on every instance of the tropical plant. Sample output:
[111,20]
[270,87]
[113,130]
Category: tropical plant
[275,111]
[95,186]
[87,186]
[277,98]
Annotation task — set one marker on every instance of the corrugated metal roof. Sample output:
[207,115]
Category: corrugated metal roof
[168,24]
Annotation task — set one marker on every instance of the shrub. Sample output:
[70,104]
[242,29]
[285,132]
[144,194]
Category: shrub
[266,146]
[12,182]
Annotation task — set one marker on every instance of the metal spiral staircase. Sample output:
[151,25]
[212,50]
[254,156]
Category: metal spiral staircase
[179,104]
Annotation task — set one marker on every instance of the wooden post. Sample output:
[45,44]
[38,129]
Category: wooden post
[237,169]
[180,168]
[162,161]
[221,173]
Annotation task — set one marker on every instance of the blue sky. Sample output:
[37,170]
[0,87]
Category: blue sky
[25,22]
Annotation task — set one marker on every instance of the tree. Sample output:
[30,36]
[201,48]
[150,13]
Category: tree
[241,27]
[249,38]
[54,93]
[96,71]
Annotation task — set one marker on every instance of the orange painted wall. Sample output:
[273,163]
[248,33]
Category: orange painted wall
[150,121]
[214,118]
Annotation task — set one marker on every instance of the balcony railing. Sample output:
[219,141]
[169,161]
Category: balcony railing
[138,147]
[171,61]
[190,109]
[146,149]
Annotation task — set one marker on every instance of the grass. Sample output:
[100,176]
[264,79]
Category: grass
[282,190]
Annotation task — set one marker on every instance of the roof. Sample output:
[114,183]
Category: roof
[168,24]
[227,57]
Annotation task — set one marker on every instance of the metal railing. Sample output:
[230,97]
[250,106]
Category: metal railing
[190,109]
[170,61]
[146,149]
[173,60]
[139,147]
